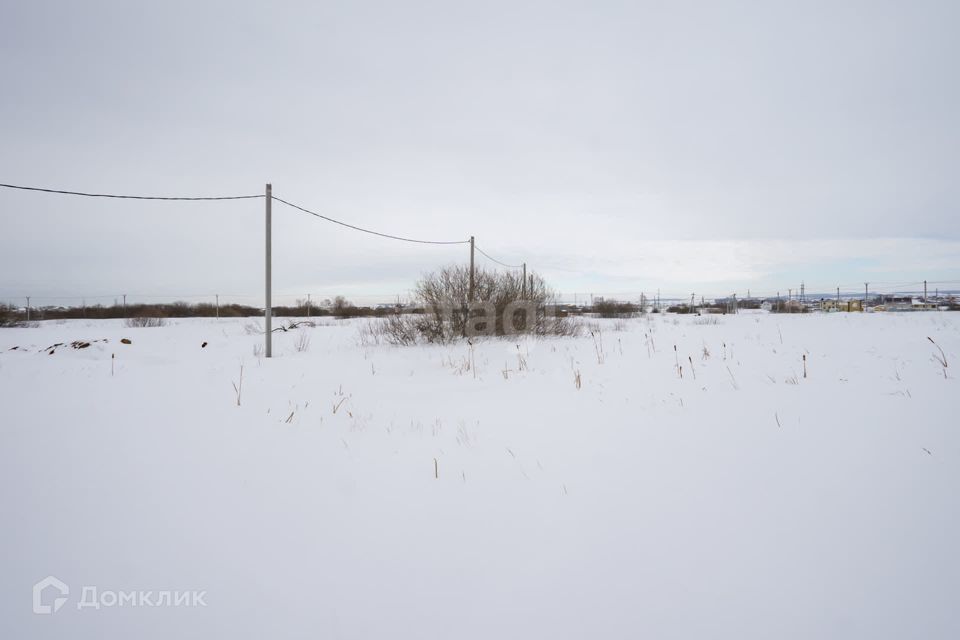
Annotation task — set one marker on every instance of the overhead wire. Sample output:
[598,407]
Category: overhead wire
[370,231]
[128,197]
[491,258]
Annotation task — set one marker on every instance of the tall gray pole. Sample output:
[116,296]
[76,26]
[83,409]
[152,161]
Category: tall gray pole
[523,283]
[308,305]
[28,308]
[866,289]
[268,306]
[471,269]
[124,305]
[924,291]
[218,306]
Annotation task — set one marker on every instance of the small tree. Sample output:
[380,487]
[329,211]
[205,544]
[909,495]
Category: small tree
[341,307]
[614,308]
[8,316]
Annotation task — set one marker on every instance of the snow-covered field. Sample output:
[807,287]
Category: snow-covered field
[365,491]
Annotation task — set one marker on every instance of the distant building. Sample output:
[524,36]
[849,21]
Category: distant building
[916,304]
[833,305]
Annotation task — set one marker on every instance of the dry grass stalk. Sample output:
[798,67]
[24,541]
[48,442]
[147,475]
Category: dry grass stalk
[942,358]
[598,345]
[521,360]
[303,342]
[238,388]
[733,380]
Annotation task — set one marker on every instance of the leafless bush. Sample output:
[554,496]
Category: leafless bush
[144,321]
[403,330]
[8,317]
[614,308]
[342,307]
[502,304]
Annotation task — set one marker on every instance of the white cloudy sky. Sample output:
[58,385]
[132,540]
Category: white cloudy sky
[616,146]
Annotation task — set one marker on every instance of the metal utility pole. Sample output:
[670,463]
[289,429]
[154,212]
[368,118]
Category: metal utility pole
[28,308]
[838,298]
[218,306]
[866,289]
[692,306]
[124,305]
[803,295]
[471,269]
[735,306]
[268,306]
[523,283]
[924,292]
[308,305]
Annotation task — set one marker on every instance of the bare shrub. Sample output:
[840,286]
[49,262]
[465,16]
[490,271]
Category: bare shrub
[403,330]
[680,308]
[144,321]
[291,325]
[502,304]
[614,308]
[8,317]
[788,306]
[342,307]
[446,296]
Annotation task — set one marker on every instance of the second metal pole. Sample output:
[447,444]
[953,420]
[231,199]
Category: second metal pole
[470,296]
[268,306]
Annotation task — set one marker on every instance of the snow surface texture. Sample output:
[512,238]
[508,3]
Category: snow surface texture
[740,500]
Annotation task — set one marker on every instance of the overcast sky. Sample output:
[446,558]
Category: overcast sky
[615,146]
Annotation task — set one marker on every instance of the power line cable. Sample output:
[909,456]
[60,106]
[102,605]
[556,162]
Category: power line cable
[126,197]
[376,233]
[502,264]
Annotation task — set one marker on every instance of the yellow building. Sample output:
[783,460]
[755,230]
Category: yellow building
[832,304]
